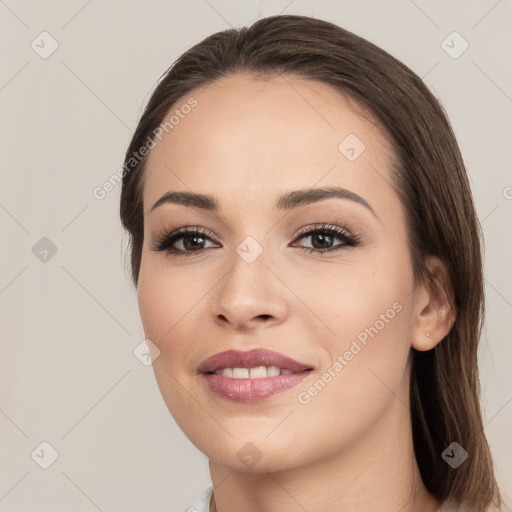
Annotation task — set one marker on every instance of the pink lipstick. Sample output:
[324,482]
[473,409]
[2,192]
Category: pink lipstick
[252,375]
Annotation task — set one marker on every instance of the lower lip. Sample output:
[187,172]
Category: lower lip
[252,390]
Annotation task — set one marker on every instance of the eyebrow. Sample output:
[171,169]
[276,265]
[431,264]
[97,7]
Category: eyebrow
[287,201]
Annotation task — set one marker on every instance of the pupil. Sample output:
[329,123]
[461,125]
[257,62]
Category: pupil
[322,237]
[189,246]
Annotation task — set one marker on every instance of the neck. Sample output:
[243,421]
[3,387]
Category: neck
[378,472]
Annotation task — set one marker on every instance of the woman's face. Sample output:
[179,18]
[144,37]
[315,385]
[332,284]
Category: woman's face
[250,280]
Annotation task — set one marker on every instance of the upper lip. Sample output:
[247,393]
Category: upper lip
[250,359]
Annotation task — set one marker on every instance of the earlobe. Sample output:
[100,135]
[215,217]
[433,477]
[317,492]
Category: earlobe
[434,313]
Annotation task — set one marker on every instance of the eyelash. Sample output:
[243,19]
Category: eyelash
[165,242]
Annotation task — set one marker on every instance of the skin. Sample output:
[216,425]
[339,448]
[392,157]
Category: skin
[350,447]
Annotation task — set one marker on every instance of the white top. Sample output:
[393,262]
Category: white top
[202,503]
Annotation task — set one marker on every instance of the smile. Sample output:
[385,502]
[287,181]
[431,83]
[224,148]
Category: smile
[258,372]
[251,376]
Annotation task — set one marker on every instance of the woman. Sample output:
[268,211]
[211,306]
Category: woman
[307,261]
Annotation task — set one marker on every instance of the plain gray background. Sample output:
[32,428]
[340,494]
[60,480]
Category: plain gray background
[69,316]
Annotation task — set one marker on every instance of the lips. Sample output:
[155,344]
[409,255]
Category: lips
[253,375]
[251,359]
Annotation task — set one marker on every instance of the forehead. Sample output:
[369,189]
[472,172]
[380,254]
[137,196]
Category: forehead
[246,138]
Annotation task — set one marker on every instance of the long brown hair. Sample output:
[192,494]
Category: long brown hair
[431,181]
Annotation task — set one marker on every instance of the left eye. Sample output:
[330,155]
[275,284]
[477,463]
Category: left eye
[192,240]
[322,239]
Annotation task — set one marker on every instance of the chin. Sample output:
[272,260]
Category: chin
[258,456]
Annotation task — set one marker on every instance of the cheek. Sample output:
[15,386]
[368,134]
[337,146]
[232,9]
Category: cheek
[174,306]
[369,307]
[371,288]
[166,297]
[365,309]
[167,304]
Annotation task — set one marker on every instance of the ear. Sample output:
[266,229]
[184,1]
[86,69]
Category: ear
[434,308]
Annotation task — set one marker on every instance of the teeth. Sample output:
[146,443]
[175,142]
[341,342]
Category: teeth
[273,371]
[240,373]
[258,372]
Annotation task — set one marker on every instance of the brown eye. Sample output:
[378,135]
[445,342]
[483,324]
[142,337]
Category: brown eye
[183,242]
[323,238]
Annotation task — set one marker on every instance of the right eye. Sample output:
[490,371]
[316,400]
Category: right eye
[190,240]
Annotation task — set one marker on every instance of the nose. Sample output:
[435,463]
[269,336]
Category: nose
[248,296]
